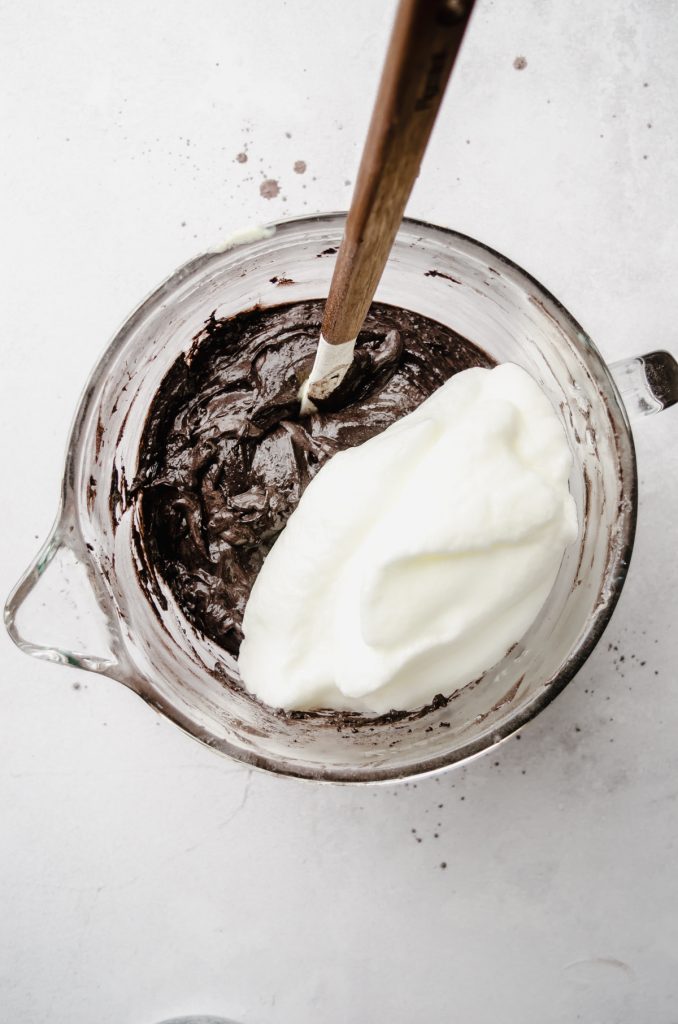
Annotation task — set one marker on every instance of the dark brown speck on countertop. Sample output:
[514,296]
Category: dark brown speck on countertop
[269,188]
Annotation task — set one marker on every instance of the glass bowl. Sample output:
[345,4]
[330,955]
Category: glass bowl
[90,599]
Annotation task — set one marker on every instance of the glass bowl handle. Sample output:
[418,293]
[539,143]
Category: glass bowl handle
[59,611]
[647,383]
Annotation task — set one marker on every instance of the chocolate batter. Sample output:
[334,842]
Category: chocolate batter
[225,456]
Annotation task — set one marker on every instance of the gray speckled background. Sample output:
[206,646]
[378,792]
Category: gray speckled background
[141,876]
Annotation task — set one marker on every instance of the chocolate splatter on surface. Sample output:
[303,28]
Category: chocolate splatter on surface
[225,456]
[520,63]
[269,188]
[299,166]
[241,158]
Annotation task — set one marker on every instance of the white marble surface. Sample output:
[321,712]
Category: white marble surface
[141,876]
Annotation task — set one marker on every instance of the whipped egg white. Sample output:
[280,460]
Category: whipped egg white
[414,561]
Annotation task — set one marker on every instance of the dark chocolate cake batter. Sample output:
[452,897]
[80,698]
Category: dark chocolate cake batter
[225,455]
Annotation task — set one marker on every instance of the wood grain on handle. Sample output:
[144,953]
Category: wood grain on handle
[424,44]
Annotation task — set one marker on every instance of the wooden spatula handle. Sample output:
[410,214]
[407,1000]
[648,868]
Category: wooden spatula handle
[426,38]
